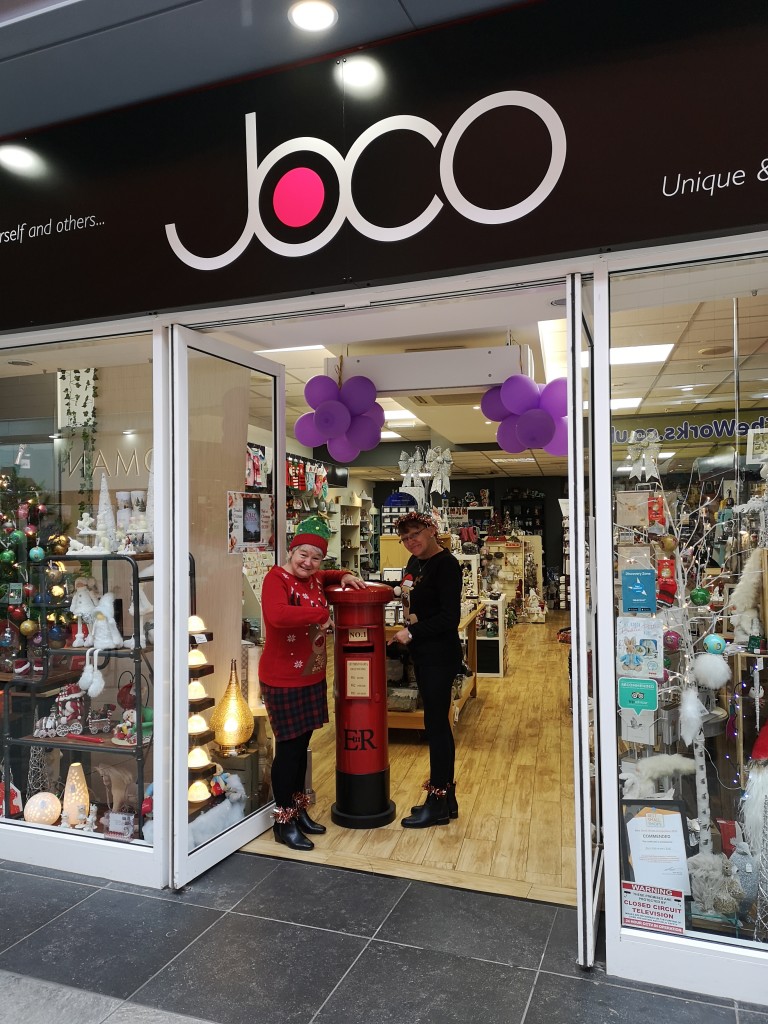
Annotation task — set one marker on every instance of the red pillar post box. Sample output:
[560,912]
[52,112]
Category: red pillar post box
[360,692]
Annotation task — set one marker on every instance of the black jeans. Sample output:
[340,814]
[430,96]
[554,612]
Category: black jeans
[289,768]
[435,682]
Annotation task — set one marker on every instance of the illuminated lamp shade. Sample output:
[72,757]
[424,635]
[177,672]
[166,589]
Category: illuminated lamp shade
[195,624]
[197,724]
[232,719]
[198,758]
[42,809]
[198,792]
[196,658]
[77,803]
[196,690]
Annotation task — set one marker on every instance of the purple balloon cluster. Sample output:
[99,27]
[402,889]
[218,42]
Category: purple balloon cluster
[531,417]
[347,419]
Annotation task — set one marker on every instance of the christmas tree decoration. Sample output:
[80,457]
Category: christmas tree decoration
[106,527]
[699,596]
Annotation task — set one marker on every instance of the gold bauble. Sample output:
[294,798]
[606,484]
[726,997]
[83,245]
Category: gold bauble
[59,544]
[57,592]
[28,627]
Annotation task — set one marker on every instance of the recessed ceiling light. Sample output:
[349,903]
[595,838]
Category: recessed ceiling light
[397,414]
[687,387]
[389,435]
[624,469]
[488,423]
[715,350]
[625,403]
[313,15]
[475,407]
[666,455]
[129,433]
[291,348]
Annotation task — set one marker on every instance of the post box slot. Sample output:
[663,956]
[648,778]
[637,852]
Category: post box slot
[360,649]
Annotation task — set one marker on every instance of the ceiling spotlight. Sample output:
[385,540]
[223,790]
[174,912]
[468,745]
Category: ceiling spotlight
[21,160]
[313,15]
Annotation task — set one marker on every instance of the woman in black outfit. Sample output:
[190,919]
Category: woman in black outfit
[433,580]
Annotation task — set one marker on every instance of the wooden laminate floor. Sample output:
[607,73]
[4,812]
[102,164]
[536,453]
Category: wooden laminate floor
[514,771]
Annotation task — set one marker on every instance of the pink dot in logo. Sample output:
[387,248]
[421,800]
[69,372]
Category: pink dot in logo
[298,197]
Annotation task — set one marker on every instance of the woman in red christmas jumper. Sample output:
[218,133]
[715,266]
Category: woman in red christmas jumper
[292,670]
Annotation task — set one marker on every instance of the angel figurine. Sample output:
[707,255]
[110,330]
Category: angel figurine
[82,607]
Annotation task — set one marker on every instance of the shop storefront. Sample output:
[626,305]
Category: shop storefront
[213,209]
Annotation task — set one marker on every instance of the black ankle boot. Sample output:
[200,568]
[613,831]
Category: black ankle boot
[434,811]
[453,806]
[289,834]
[308,825]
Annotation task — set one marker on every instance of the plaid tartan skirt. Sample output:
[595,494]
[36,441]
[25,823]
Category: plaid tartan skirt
[294,710]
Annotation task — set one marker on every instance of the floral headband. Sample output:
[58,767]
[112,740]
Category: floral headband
[414,519]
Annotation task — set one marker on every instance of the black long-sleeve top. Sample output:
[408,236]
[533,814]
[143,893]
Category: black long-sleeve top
[435,600]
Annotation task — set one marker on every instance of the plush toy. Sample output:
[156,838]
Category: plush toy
[642,782]
[745,600]
[745,868]
[714,885]
[220,817]
[104,632]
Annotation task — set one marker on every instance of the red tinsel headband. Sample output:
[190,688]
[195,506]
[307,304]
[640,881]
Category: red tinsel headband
[414,519]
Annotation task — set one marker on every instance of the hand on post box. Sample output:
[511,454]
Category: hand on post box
[352,581]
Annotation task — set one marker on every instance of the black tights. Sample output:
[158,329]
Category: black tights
[289,768]
[435,684]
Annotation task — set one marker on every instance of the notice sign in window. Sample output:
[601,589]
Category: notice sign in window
[358,678]
[646,906]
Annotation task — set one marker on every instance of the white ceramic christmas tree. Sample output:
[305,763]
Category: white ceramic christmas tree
[106,527]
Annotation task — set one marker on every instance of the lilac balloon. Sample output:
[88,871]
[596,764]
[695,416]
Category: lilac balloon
[358,394]
[342,449]
[554,398]
[320,389]
[364,433]
[332,418]
[559,443]
[305,431]
[376,413]
[492,406]
[506,435]
[519,394]
[535,428]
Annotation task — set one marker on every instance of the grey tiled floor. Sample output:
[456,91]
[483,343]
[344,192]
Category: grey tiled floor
[259,940]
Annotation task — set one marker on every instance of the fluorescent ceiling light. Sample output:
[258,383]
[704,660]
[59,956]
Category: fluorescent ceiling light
[625,403]
[389,435]
[624,469]
[512,460]
[475,407]
[554,348]
[397,414]
[640,354]
[313,15]
[634,354]
[666,455]
[290,348]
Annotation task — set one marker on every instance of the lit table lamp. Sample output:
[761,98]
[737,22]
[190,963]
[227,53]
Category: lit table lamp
[77,803]
[232,719]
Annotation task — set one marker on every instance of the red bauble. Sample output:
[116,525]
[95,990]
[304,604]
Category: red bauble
[17,612]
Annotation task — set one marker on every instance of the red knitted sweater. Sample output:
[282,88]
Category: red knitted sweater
[294,610]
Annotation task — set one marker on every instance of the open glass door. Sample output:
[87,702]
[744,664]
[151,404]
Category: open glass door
[228,487]
[589,842]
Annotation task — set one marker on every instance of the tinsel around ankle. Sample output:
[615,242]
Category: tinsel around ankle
[434,789]
[300,801]
[283,815]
